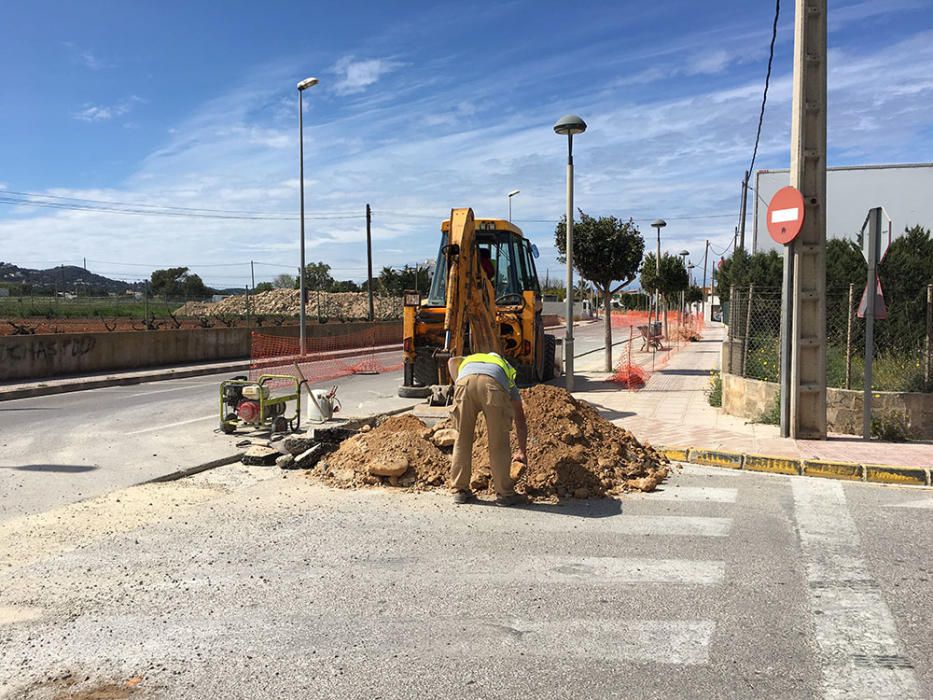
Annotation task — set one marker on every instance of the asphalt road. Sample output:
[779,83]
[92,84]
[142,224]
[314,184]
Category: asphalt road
[63,448]
[67,447]
[230,584]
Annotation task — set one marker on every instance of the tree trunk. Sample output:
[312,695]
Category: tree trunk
[607,321]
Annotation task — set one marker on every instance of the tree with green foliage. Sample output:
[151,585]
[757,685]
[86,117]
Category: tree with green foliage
[317,277]
[764,270]
[285,282]
[177,282]
[345,286]
[673,279]
[263,287]
[693,295]
[606,250]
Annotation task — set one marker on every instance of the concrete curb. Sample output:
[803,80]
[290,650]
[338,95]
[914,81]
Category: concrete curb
[101,382]
[825,469]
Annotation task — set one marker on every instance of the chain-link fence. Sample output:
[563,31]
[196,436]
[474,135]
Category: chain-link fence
[902,342]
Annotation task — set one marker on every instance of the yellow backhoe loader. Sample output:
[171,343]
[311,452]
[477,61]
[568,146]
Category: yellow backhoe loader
[484,297]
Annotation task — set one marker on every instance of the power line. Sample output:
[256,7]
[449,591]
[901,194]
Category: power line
[135,205]
[175,214]
[764,97]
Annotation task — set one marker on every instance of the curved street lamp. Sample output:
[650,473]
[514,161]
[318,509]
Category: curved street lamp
[512,194]
[569,124]
[658,224]
[302,86]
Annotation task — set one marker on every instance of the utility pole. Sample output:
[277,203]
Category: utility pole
[252,275]
[85,264]
[743,209]
[369,261]
[808,251]
[705,257]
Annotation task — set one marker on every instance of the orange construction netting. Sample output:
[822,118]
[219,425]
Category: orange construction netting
[369,351]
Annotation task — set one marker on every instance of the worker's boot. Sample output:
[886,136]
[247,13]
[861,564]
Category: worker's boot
[513,499]
[461,497]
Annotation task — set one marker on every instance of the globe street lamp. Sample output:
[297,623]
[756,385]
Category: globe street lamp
[569,124]
[302,86]
[512,194]
[658,224]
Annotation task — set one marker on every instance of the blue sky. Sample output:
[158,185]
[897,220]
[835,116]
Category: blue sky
[421,107]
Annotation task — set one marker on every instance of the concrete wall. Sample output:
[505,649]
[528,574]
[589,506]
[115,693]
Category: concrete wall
[559,308]
[43,356]
[749,398]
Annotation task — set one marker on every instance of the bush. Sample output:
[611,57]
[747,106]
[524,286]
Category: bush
[714,392]
[772,416]
[890,426]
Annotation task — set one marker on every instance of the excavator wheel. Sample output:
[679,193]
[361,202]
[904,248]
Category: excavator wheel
[550,348]
[425,369]
[414,392]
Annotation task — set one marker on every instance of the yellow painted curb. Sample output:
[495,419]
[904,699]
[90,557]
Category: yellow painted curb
[676,454]
[715,458]
[832,470]
[882,473]
[774,465]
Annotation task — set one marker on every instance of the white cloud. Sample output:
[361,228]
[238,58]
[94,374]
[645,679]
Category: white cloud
[671,151]
[709,62]
[355,76]
[101,113]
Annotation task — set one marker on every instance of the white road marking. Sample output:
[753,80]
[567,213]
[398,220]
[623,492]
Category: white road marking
[601,570]
[173,425]
[861,655]
[621,524]
[928,503]
[688,493]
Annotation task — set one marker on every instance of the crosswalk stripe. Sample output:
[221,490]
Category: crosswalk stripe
[855,631]
[618,523]
[710,494]
[617,570]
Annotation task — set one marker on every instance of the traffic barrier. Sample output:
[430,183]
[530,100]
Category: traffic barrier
[373,350]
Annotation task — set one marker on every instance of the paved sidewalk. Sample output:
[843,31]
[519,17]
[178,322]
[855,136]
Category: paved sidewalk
[672,410]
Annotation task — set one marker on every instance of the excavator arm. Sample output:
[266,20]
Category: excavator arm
[470,298]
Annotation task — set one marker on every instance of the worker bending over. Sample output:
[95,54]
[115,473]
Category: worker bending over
[486,382]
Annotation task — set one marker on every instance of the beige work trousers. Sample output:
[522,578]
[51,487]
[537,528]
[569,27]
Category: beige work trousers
[472,394]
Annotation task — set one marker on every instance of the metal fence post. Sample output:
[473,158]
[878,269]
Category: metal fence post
[748,327]
[733,307]
[929,340]
[849,337]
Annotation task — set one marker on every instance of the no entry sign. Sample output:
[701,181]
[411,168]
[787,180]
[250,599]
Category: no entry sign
[785,215]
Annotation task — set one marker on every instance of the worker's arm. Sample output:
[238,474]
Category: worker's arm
[521,432]
[453,367]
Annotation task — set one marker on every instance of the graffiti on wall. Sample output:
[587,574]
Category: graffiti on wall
[35,350]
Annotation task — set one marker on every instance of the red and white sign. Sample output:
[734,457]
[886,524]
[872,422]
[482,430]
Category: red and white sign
[881,309]
[785,215]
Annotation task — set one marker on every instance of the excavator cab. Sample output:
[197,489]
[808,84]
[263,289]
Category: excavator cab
[484,297]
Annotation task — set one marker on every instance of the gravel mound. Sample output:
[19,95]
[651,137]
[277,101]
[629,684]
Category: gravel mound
[287,302]
[572,452]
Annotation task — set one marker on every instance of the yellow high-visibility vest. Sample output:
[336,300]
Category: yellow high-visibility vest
[492,359]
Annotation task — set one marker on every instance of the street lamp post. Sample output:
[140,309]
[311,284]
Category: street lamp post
[658,224]
[302,86]
[569,124]
[512,194]
[683,255]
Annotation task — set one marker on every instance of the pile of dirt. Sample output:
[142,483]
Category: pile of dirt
[287,302]
[572,452]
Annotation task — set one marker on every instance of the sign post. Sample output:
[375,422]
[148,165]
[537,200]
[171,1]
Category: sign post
[874,251]
[785,219]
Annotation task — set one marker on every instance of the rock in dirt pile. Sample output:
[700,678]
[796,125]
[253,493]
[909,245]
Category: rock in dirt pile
[572,452]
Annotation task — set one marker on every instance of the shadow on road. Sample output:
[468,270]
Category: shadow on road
[61,468]
[578,508]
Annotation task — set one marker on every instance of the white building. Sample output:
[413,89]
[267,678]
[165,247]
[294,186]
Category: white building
[903,190]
